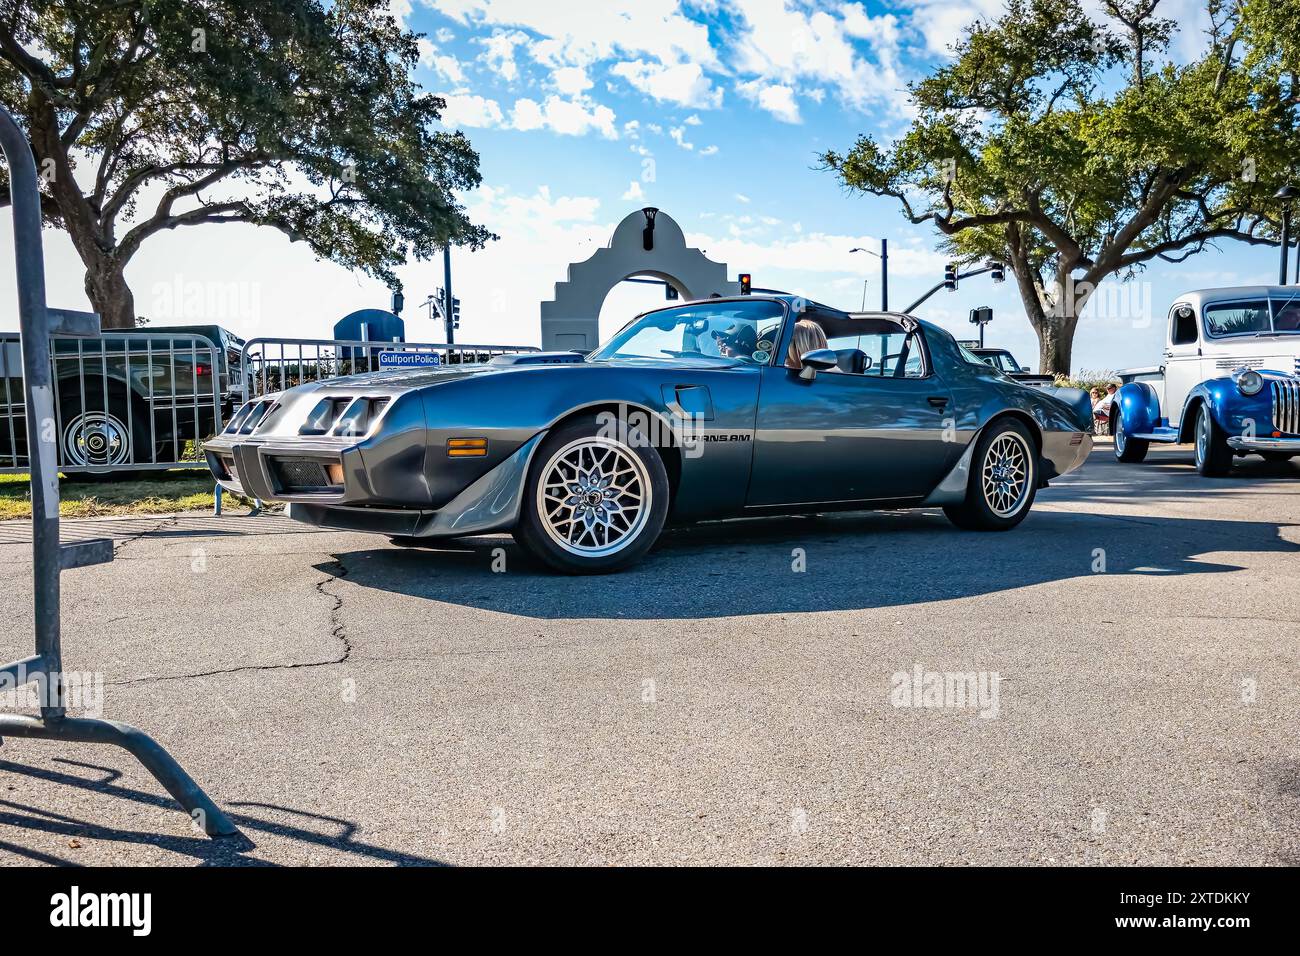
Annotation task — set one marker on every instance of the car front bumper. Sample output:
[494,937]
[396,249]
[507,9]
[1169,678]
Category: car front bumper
[1289,445]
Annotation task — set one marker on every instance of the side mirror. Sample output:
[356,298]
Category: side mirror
[818,360]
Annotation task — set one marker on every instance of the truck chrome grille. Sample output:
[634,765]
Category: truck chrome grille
[1286,406]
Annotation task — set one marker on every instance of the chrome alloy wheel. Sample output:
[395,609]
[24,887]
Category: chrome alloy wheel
[96,438]
[594,497]
[1005,476]
[1121,439]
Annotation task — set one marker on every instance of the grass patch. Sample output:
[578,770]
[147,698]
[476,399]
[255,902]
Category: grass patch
[186,489]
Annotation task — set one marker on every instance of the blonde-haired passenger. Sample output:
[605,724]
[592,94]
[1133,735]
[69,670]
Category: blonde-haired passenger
[808,337]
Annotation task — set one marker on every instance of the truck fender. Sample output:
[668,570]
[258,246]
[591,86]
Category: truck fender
[1139,406]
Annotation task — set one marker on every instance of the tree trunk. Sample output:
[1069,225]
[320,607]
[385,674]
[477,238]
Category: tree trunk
[110,295]
[1055,345]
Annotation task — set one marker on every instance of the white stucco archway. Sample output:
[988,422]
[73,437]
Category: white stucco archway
[572,319]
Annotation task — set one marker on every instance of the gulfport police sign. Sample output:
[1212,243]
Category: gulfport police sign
[409,359]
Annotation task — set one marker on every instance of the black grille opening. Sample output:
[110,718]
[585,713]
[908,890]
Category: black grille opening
[303,475]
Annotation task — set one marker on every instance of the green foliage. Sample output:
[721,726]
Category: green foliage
[1088,379]
[1064,144]
[296,114]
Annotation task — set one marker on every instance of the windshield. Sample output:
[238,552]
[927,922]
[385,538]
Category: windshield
[1000,360]
[1253,316]
[745,332]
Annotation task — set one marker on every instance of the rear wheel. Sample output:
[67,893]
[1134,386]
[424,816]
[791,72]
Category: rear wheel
[1130,450]
[1003,479]
[98,434]
[595,499]
[1213,454]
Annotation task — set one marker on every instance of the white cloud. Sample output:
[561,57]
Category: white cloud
[444,64]
[579,34]
[568,117]
[633,192]
[678,133]
[469,109]
[693,120]
[785,47]
[741,197]
[632,129]
[571,80]
[499,52]
[681,83]
[777,98]
[708,150]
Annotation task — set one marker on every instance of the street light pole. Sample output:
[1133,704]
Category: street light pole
[446,291]
[1285,194]
[883,256]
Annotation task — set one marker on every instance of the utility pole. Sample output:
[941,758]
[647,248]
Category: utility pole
[883,256]
[446,291]
[884,275]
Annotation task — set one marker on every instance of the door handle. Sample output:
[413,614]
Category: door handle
[938,401]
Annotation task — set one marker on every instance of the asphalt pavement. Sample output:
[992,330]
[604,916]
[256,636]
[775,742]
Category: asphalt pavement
[1116,681]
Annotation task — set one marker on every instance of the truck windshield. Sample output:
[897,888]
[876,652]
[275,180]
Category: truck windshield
[1253,317]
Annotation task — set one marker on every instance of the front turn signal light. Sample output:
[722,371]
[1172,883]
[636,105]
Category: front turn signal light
[466,447]
[334,471]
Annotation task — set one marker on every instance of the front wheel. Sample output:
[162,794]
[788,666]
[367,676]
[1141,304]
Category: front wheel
[1213,454]
[1129,450]
[1003,479]
[595,499]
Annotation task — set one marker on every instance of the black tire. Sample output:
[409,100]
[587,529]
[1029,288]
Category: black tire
[1001,502]
[598,520]
[113,435]
[1213,454]
[1127,449]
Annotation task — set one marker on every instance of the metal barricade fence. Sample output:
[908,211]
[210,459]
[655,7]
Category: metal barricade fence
[272,364]
[123,401]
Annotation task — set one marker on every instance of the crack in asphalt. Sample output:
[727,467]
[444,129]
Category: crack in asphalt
[163,522]
[338,631]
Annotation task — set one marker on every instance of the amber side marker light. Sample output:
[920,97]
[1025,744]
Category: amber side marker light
[334,471]
[466,447]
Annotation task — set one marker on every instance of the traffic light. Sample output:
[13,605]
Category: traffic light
[455,312]
[981,316]
[746,283]
[950,276]
[999,271]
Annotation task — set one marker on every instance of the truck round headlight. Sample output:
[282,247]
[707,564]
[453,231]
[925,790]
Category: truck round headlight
[1250,382]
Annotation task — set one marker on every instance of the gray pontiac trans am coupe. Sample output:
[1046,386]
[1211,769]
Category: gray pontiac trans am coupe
[702,410]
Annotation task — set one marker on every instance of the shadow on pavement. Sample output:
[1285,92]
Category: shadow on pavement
[227,851]
[862,560]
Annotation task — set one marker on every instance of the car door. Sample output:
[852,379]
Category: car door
[1182,366]
[843,437]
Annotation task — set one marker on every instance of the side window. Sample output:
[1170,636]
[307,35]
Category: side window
[884,353]
[1182,325]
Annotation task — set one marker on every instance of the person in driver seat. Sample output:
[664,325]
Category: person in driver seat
[738,341]
[808,337]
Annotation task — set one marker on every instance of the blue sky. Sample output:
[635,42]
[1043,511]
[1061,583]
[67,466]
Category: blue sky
[713,110]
